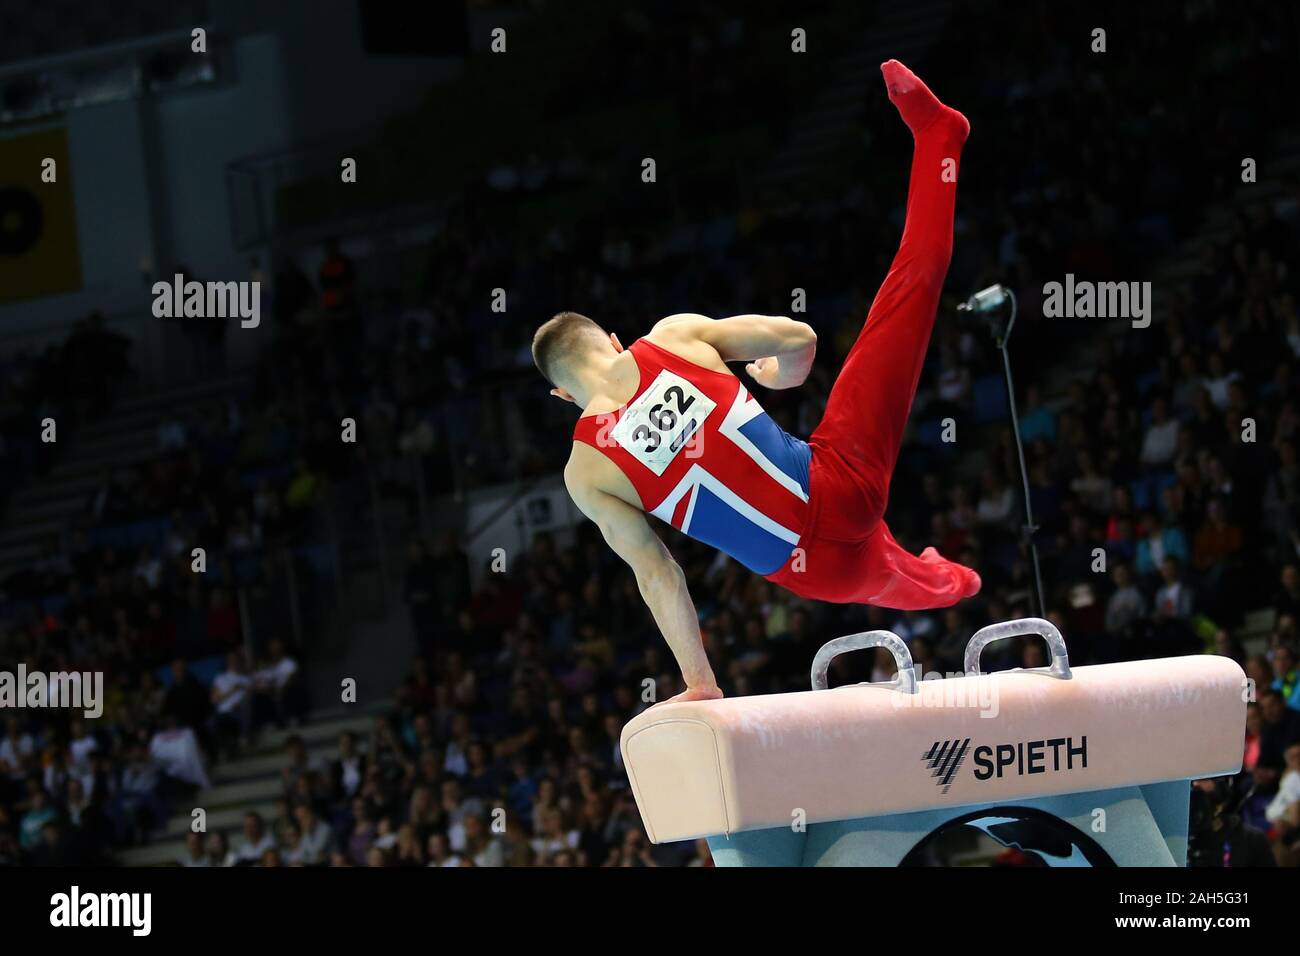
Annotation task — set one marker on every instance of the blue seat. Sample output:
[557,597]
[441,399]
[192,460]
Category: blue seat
[990,399]
[205,669]
[275,474]
[1140,491]
[137,534]
[318,558]
[929,432]
[247,567]
[1145,383]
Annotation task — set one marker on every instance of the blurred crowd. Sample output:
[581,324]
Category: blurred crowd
[152,582]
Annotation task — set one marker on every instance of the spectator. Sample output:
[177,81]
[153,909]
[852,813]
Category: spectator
[349,767]
[1287,682]
[17,751]
[997,502]
[1284,809]
[254,843]
[137,808]
[1174,599]
[39,813]
[483,848]
[1126,605]
[439,852]
[337,277]
[316,840]
[1287,600]
[232,703]
[177,754]
[195,854]
[1161,438]
[1160,542]
[278,690]
[218,850]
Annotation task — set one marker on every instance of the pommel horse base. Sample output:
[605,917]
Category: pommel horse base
[1096,759]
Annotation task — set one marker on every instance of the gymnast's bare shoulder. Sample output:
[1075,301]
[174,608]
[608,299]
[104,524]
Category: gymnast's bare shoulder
[591,477]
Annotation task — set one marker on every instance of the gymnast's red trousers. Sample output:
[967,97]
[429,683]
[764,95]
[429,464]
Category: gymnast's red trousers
[846,553]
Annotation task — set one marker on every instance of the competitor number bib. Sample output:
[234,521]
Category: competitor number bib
[659,424]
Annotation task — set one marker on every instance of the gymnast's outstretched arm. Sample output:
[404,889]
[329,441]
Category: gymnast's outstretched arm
[658,576]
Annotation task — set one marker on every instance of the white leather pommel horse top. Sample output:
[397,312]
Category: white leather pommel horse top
[708,768]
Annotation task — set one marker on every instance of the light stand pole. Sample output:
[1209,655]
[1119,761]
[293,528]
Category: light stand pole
[986,303]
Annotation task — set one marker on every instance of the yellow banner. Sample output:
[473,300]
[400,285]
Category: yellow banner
[38,219]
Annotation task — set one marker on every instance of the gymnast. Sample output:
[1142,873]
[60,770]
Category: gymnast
[666,428]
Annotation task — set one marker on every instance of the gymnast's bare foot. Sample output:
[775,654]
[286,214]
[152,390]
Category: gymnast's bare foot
[695,693]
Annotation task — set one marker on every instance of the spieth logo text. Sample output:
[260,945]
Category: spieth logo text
[945,758]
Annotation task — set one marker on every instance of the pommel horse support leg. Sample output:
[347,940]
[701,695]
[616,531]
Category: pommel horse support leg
[1083,766]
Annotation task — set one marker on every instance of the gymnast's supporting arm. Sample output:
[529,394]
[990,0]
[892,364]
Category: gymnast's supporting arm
[658,576]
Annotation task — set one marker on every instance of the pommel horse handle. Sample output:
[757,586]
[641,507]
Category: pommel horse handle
[1060,666]
[906,680]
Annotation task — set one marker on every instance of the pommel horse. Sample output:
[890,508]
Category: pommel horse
[860,775]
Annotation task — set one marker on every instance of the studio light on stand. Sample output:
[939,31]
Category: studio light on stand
[987,305]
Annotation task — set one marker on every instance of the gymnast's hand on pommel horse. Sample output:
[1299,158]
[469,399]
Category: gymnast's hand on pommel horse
[667,429]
